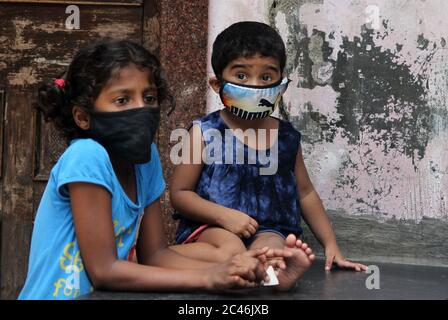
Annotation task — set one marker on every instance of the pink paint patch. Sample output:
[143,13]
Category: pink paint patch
[195,235]
[131,253]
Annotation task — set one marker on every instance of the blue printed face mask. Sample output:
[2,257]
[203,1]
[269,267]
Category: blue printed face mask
[252,102]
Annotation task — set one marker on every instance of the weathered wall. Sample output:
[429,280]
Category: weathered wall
[183,50]
[368,94]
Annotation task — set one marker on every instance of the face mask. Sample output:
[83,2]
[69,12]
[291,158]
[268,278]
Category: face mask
[252,102]
[127,134]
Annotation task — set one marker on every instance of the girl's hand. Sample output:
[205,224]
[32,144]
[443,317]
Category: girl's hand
[245,270]
[239,223]
[276,258]
[333,256]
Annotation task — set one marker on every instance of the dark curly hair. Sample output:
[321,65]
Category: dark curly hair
[246,39]
[86,76]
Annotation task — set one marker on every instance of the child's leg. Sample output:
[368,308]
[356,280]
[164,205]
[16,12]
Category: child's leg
[213,245]
[268,239]
[271,240]
[296,265]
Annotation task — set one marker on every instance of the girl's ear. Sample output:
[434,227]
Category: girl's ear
[215,84]
[81,117]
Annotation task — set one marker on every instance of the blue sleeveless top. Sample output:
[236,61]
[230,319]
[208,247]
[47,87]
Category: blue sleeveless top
[271,199]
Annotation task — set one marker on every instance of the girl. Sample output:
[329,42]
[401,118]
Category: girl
[102,197]
[224,206]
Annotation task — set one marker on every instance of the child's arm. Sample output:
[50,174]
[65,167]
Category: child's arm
[91,207]
[152,248]
[314,214]
[185,200]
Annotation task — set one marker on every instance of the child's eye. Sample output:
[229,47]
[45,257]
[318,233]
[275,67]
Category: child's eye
[266,78]
[121,101]
[150,99]
[241,76]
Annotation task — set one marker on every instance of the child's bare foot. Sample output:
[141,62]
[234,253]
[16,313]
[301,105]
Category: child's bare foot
[296,265]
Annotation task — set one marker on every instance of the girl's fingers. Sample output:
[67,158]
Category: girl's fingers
[260,272]
[251,275]
[278,253]
[239,282]
[277,263]
[257,252]
[254,223]
[329,263]
[246,234]
[244,272]
[251,229]
[361,267]
[352,265]
[235,281]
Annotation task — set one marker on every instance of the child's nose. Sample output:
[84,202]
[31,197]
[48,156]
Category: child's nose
[255,82]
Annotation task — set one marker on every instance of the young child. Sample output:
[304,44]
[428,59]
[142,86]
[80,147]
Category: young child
[102,196]
[225,207]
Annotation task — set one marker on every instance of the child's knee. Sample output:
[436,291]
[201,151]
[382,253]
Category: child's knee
[268,239]
[228,250]
[226,243]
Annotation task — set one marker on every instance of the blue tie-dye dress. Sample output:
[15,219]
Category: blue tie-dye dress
[271,199]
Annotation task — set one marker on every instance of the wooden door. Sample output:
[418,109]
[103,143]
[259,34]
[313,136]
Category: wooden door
[35,44]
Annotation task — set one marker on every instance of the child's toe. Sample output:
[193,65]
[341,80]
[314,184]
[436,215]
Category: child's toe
[290,240]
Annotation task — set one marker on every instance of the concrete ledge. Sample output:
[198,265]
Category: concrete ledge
[396,282]
[366,238]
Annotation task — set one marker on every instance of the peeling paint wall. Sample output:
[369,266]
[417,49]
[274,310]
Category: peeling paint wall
[369,95]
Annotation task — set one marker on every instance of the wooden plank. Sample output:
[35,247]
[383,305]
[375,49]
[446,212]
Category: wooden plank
[48,147]
[16,238]
[2,110]
[151,26]
[43,49]
[17,195]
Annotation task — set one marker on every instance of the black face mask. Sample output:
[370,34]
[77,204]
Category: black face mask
[126,134]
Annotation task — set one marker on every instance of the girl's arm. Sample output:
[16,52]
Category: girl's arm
[314,215]
[152,248]
[91,207]
[185,200]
